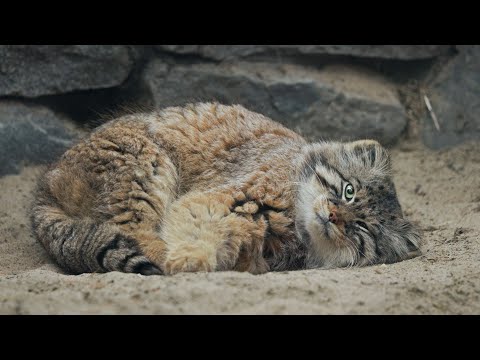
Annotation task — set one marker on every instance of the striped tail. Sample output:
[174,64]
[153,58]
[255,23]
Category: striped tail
[82,245]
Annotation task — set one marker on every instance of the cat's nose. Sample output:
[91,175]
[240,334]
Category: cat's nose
[332,217]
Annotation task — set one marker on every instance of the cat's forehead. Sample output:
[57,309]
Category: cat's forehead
[367,164]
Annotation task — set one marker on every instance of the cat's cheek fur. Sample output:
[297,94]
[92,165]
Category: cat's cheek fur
[325,249]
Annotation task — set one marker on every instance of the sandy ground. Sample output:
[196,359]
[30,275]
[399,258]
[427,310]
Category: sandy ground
[439,190]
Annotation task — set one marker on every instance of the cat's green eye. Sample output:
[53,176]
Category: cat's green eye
[349,192]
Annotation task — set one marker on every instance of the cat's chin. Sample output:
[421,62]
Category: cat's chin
[328,247]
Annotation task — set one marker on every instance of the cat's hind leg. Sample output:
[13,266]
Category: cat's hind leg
[101,208]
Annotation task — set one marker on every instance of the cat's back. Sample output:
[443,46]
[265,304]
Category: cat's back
[196,128]
[219,136]
[212,141]
[206,141]
[213,124]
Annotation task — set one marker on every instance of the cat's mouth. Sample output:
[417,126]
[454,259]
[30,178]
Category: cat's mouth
[322,219]
[324,224]
[329,230]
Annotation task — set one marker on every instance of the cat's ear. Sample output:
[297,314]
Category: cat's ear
[371,151]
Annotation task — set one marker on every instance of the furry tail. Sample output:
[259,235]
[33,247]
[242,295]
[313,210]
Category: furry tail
[83,245]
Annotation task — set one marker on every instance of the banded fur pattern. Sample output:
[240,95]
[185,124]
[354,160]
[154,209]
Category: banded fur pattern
[82,245]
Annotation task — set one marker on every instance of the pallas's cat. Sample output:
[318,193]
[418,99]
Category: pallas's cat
[208,187]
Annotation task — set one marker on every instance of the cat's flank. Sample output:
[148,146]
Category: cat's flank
[208,187]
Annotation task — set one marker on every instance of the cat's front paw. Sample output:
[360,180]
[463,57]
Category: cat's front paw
[188,264]
[188,260]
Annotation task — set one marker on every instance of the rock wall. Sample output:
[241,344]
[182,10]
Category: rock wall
[49,93]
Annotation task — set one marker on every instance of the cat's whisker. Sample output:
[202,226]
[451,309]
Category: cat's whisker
[353,253]
[356,250]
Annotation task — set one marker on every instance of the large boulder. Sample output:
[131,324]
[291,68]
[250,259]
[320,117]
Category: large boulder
[334,103]
[454,97]
[34,70]
[32,134]
[228,52]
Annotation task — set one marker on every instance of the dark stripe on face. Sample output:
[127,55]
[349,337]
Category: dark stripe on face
[110,246]
[305,236]
[310,163]
[361,223]
[361,247]
[372,154]
[377,250]
[326,184]
[327,165]
[358,181]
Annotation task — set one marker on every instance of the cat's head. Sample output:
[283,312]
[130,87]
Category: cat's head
[347,209]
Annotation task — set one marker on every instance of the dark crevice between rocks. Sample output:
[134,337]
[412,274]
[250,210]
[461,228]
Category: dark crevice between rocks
[91,108]
[171,57]
[437,66]
[399,71]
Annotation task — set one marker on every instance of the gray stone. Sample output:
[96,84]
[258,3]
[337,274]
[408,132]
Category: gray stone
[34,70]
[334,103]
[454,96]
[228,52]
[32,134]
